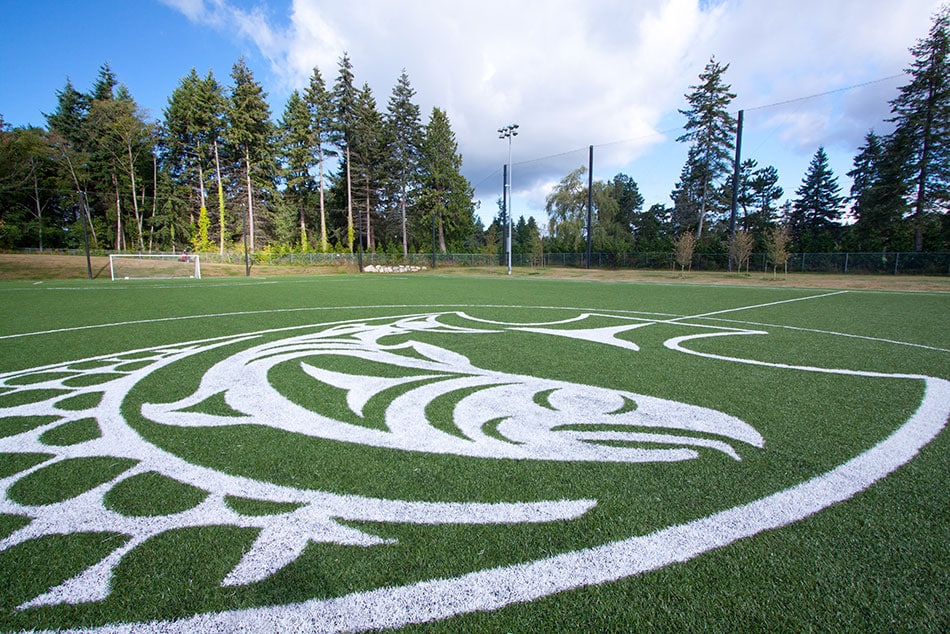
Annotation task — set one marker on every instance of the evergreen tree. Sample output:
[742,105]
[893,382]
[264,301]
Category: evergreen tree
[446,194]
[67,119]
[251,134]
[212,107]
[711,131]
[104,87]
[405,129]
[817,207]
[68,137]
[922,118]
[623,189]
[369,160]
[344,105]
[652,232]
[878,193]
[193,128]
[318,101]
[297,152]
[689,194]
[759,192]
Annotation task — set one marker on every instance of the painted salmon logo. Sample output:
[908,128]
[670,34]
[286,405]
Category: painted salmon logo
[383,383]
[495,414]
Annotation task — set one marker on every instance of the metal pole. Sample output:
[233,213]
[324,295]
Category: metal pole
[504,196]
[735,183]
[590,200]
[506,133]
[510,202]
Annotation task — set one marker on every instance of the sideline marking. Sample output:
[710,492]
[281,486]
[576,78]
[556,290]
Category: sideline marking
[307,309]
[733,310]
[831,332]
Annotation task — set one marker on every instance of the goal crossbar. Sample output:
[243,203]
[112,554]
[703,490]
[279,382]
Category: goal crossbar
[140,266]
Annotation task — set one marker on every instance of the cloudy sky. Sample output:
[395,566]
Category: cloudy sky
[571,73]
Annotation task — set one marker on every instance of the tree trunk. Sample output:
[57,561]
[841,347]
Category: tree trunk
[370,242]
[83,209]
[201,192]
[135,202]
[119,242]
[702,213]
[217,169]
[442,248]
[39,208]
[250,196]
[151,229]
[405,235]
[349,202]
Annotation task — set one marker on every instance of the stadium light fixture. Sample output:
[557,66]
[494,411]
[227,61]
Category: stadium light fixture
[508,132]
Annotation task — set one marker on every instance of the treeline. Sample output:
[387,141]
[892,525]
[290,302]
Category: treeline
[335,172]
[898,201]
[332,173]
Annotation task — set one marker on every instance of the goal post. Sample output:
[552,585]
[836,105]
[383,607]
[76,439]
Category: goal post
[141,266]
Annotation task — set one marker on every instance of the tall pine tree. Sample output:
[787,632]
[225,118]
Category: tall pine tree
[404,121]
[922,117]
[878,193]
[711,131]
[318,100]
[446,195]
[251,134]
[344,106]
[297,152]
[817,207]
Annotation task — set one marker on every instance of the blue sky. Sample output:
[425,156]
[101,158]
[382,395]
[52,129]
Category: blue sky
[571,73]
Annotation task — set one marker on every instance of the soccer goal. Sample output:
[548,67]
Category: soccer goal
[136,266]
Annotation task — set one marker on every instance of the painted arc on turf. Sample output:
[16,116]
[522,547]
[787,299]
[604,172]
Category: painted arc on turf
[496,588]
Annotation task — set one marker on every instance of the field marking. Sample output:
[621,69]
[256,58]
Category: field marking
[269,311]
[496,588]
[776,303]
[390,306]
[831,332]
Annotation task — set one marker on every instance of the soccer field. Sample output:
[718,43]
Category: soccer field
[349,453]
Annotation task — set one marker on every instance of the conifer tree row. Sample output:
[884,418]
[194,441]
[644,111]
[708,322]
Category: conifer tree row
[217,170]
[336,171]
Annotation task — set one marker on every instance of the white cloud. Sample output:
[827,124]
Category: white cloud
[607,72]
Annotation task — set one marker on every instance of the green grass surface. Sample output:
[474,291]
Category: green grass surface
[877,562]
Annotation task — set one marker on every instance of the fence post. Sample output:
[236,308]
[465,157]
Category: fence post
[897,260]
[846,262]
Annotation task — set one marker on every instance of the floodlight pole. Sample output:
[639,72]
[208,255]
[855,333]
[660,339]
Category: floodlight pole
[506,133]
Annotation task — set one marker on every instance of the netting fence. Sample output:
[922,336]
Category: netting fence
[898,263]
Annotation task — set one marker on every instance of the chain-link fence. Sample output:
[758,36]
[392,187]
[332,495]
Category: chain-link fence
[869,263]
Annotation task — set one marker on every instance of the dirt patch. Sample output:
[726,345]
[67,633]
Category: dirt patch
[17,266]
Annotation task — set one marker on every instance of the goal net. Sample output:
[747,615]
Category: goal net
[134,266]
